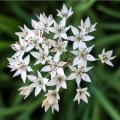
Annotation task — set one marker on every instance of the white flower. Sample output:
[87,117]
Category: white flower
[26,90]
[82,94]
[41,56]
[82,54]
[86,26]
[48,43]
[60,46]
[58,80]
[24,34]
[54,65]
[64,12]
[35,39]
[51,100]
[79,73]
[43,23]
[59,29]
[38,82]
[21,65]
[106,57]
[20,47]
[78,37]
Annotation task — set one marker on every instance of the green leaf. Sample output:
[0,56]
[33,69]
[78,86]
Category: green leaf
[104,102]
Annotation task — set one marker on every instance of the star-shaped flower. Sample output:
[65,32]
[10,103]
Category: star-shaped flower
[78,37]
[20,47]
[79,73]
[24,34]
[38,82]
[44,22]
[59,29]
[59,80]
[82,94]
[64,12]
[86,27]
[51,100]
[21,65]
[82,54]
[26,90]
[106,57]
[60,46]
[54,65]
[41,56]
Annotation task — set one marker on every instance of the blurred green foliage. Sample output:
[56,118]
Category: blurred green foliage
[104,103]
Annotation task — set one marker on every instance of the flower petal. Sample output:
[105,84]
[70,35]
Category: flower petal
[27,60]
[23,76]
[37,91]
[75,31]
[108,62]
[32,78]
[85,77]
[90,57]
[71,76]
[76,61]
[46,68]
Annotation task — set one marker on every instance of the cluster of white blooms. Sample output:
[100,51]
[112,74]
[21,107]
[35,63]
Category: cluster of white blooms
[43,46]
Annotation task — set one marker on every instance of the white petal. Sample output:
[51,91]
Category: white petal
[39,75]
[56,57]
[52,29]
[109,53]
[46,68]
[87,22]
[52,73]
[71,38]
[82,46]
[78,80]
[37,91]
[45,80]
[23,76]
[75,52]
[29,48]
[34,24]
[85,77]
[72,68]
[64,9]
[88,38]
[90,57]
[67,28]
[17,73]
[75,31]
[84,98]
[76,61]
[63,35]
[32,78]
[56,106]
[51,83]
[75,45]
[71,76]
[90,48]
[62,23]
[36,54]
[108,62]
[27,60]
[56,36]
[64,85]
[29,69]
[60,71]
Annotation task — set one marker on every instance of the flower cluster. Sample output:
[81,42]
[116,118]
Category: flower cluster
[43,47]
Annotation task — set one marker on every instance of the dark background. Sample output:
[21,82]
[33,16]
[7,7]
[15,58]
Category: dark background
[104,103]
